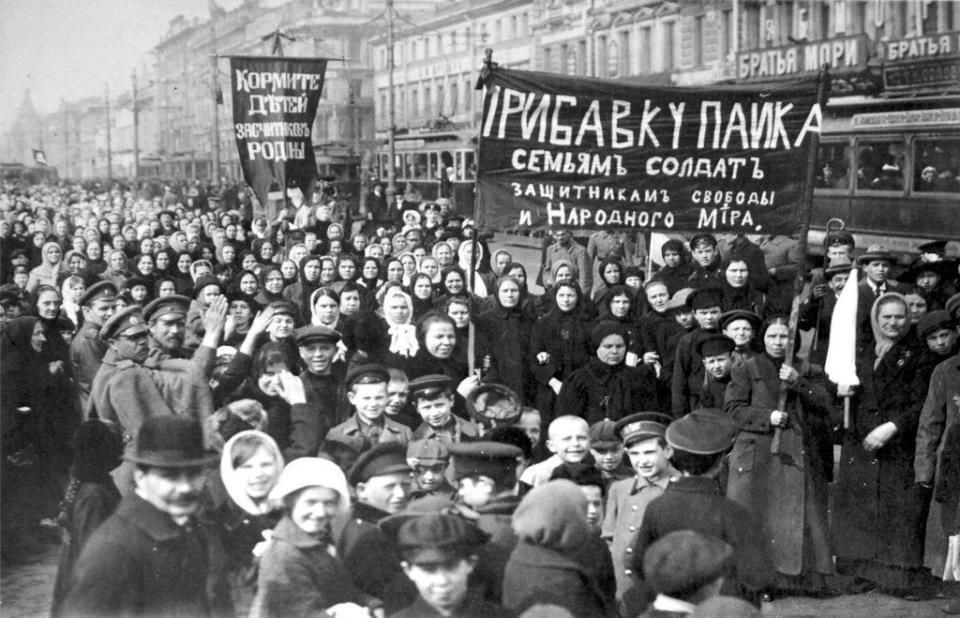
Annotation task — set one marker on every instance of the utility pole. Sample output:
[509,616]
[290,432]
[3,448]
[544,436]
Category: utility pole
[106,91]
[391,130]
[136,128]
[215,172]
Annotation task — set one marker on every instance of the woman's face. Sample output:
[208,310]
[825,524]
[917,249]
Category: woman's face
[518,274]
[145,265]
[775,340]
[564,275]
[75,291]
[375,251]
[444,255]
[38,239]
[241,312]
[116,260]
[612,350]
[311,270]
[257,475]
[328,271]
[269,380]
[75,264]
[167,288]
[658,297]
[370,270]
[611,274]
[454,282]
[138,293]
[918,306]
[48,305]
[399,244]
[78,244]
[566,299]
[460,314]
[274,282]
[736,274]
[183,263]
[418,254]
[334,232]
[289,269]
[53,255]
[228,253]
[93,251]
[509,294]
[266,251]
[741,331]
[336,248]
[409,264]
[422,289]
[36,338]
[394,271]
[620,306]
[396,309]
[347,269]
[146,245]
[429,267]
[440,339]
[328,310]
[206,253]
[350,302]
[163,260]
[249,262]
[314,507]
[892,319]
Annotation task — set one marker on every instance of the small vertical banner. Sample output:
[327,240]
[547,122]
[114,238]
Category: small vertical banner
[274,103]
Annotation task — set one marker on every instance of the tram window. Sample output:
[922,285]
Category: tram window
[880,165]
[834,171]
[408,165]
[419,165]
[470,167]
[434,171]
[936,165]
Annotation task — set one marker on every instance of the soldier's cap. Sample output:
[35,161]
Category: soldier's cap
[701,238]
[641,426]
[934,246]
[316,333]
[838,265]
[681,562]
[102,290]
[128,321]
[705,298]
[876,253]
[834,239]
[382,459]
[491,404]
[740,314]
[707,431]
[203,281]
[714,345]
[679,300]
[494,460]
[933,321]
[174,305]
[438,539]
[427,453]
[953,305]
[429,386]
[283,307]
[368,374]
[603,434]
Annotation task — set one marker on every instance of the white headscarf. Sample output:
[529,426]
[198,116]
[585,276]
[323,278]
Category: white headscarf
[403,337]
[229,474]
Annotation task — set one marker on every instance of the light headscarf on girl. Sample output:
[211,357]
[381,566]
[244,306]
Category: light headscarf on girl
[403,337]
[228,470]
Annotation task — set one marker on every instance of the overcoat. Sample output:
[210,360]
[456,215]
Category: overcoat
[787,493]
[598,391]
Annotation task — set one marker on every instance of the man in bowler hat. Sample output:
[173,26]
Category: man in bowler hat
[153,557]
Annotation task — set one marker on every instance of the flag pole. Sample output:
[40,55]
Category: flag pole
[823,81]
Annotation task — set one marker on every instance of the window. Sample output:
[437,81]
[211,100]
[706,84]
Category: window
[601,69]
[427,101]
[726,34]
[624,38]
[698,41]
[523,24]
[414,102]
[454,98]
[547,60]
[513,27]
[834,171]
[936,163]
[581,57]
[668,33]
[880,164]
[564,59]
[441,104]
[646,49]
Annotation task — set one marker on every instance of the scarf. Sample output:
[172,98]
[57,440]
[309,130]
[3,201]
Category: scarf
[884,343]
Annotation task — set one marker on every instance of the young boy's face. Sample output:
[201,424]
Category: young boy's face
[569,439]
[429,476]
[443,585]
[608,456]
[594,496]
[369,399]
[530,424]
[650,457]
[684,318]
[718,366]
[838,281]
[435,412]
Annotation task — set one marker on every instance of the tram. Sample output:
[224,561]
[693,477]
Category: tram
[434,165]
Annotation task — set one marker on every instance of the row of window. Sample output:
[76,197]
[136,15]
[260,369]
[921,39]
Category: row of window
[446,165]
[890,164]
[429,98]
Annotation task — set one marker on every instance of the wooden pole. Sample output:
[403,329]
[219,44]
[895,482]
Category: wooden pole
[807,208]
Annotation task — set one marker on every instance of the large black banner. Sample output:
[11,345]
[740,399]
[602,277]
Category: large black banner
[587,153]
[274,103]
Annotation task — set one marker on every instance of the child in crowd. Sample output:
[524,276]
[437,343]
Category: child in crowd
[568,440]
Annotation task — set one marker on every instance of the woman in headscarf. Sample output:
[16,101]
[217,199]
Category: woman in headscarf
[116,272]
[72,289]
[265,251]
[787,492]
[309,281]
[271,285]
[880,512]
[397,308]
[247,284]
[227,266]
[164,262]
[453,284]
[393,270]
[181,273]
[370,276]
[738,292]
[409,262]
[325,309]
[505,332]
[421,292]
[289,270]
[617,305]
[443,252]
[467,261]
[142,267]
[431,267]
[610,272]
[50,268]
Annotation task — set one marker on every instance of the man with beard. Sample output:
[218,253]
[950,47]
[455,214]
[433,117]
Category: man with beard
[153,557]
[167,317]
[87,349]
[323,386]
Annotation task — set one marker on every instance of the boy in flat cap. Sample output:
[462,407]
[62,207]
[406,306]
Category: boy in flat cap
[97,304]
[642,435]
[367,393]
[716,354]
[684,568]
[433,398]
[687,367]
[608,453]
[429,460]
[486,477]
[323,387]
[706,261]
[440,552]
[693,501]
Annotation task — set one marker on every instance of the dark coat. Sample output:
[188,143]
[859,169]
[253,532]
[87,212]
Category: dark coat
[86,354]
[566,338]
[880,512]
[326,402]
[299,577]
[472,607]
[506,335]
[372,559]
[600,391]
[687,371]
[695,503]
[540,575]
[140,563]
[787,493]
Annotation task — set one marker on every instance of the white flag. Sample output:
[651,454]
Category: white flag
[841,365]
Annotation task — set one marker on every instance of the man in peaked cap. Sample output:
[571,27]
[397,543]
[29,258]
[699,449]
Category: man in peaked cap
[693,501]
[705,270]
[167,319]
[369,425]
[153,556]
[429,460]
[642,435]
[323,388]
[97,304]
[685,568]
[381,479]
[432,396]
[688,366]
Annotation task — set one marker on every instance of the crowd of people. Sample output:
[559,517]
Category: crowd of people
[220,412]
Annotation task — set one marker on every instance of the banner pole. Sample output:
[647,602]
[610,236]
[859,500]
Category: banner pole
[823,82]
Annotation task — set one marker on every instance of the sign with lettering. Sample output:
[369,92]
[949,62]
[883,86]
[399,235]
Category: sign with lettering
[916,48]
[931,73]
[274,103]
[587,153]
[840,54]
